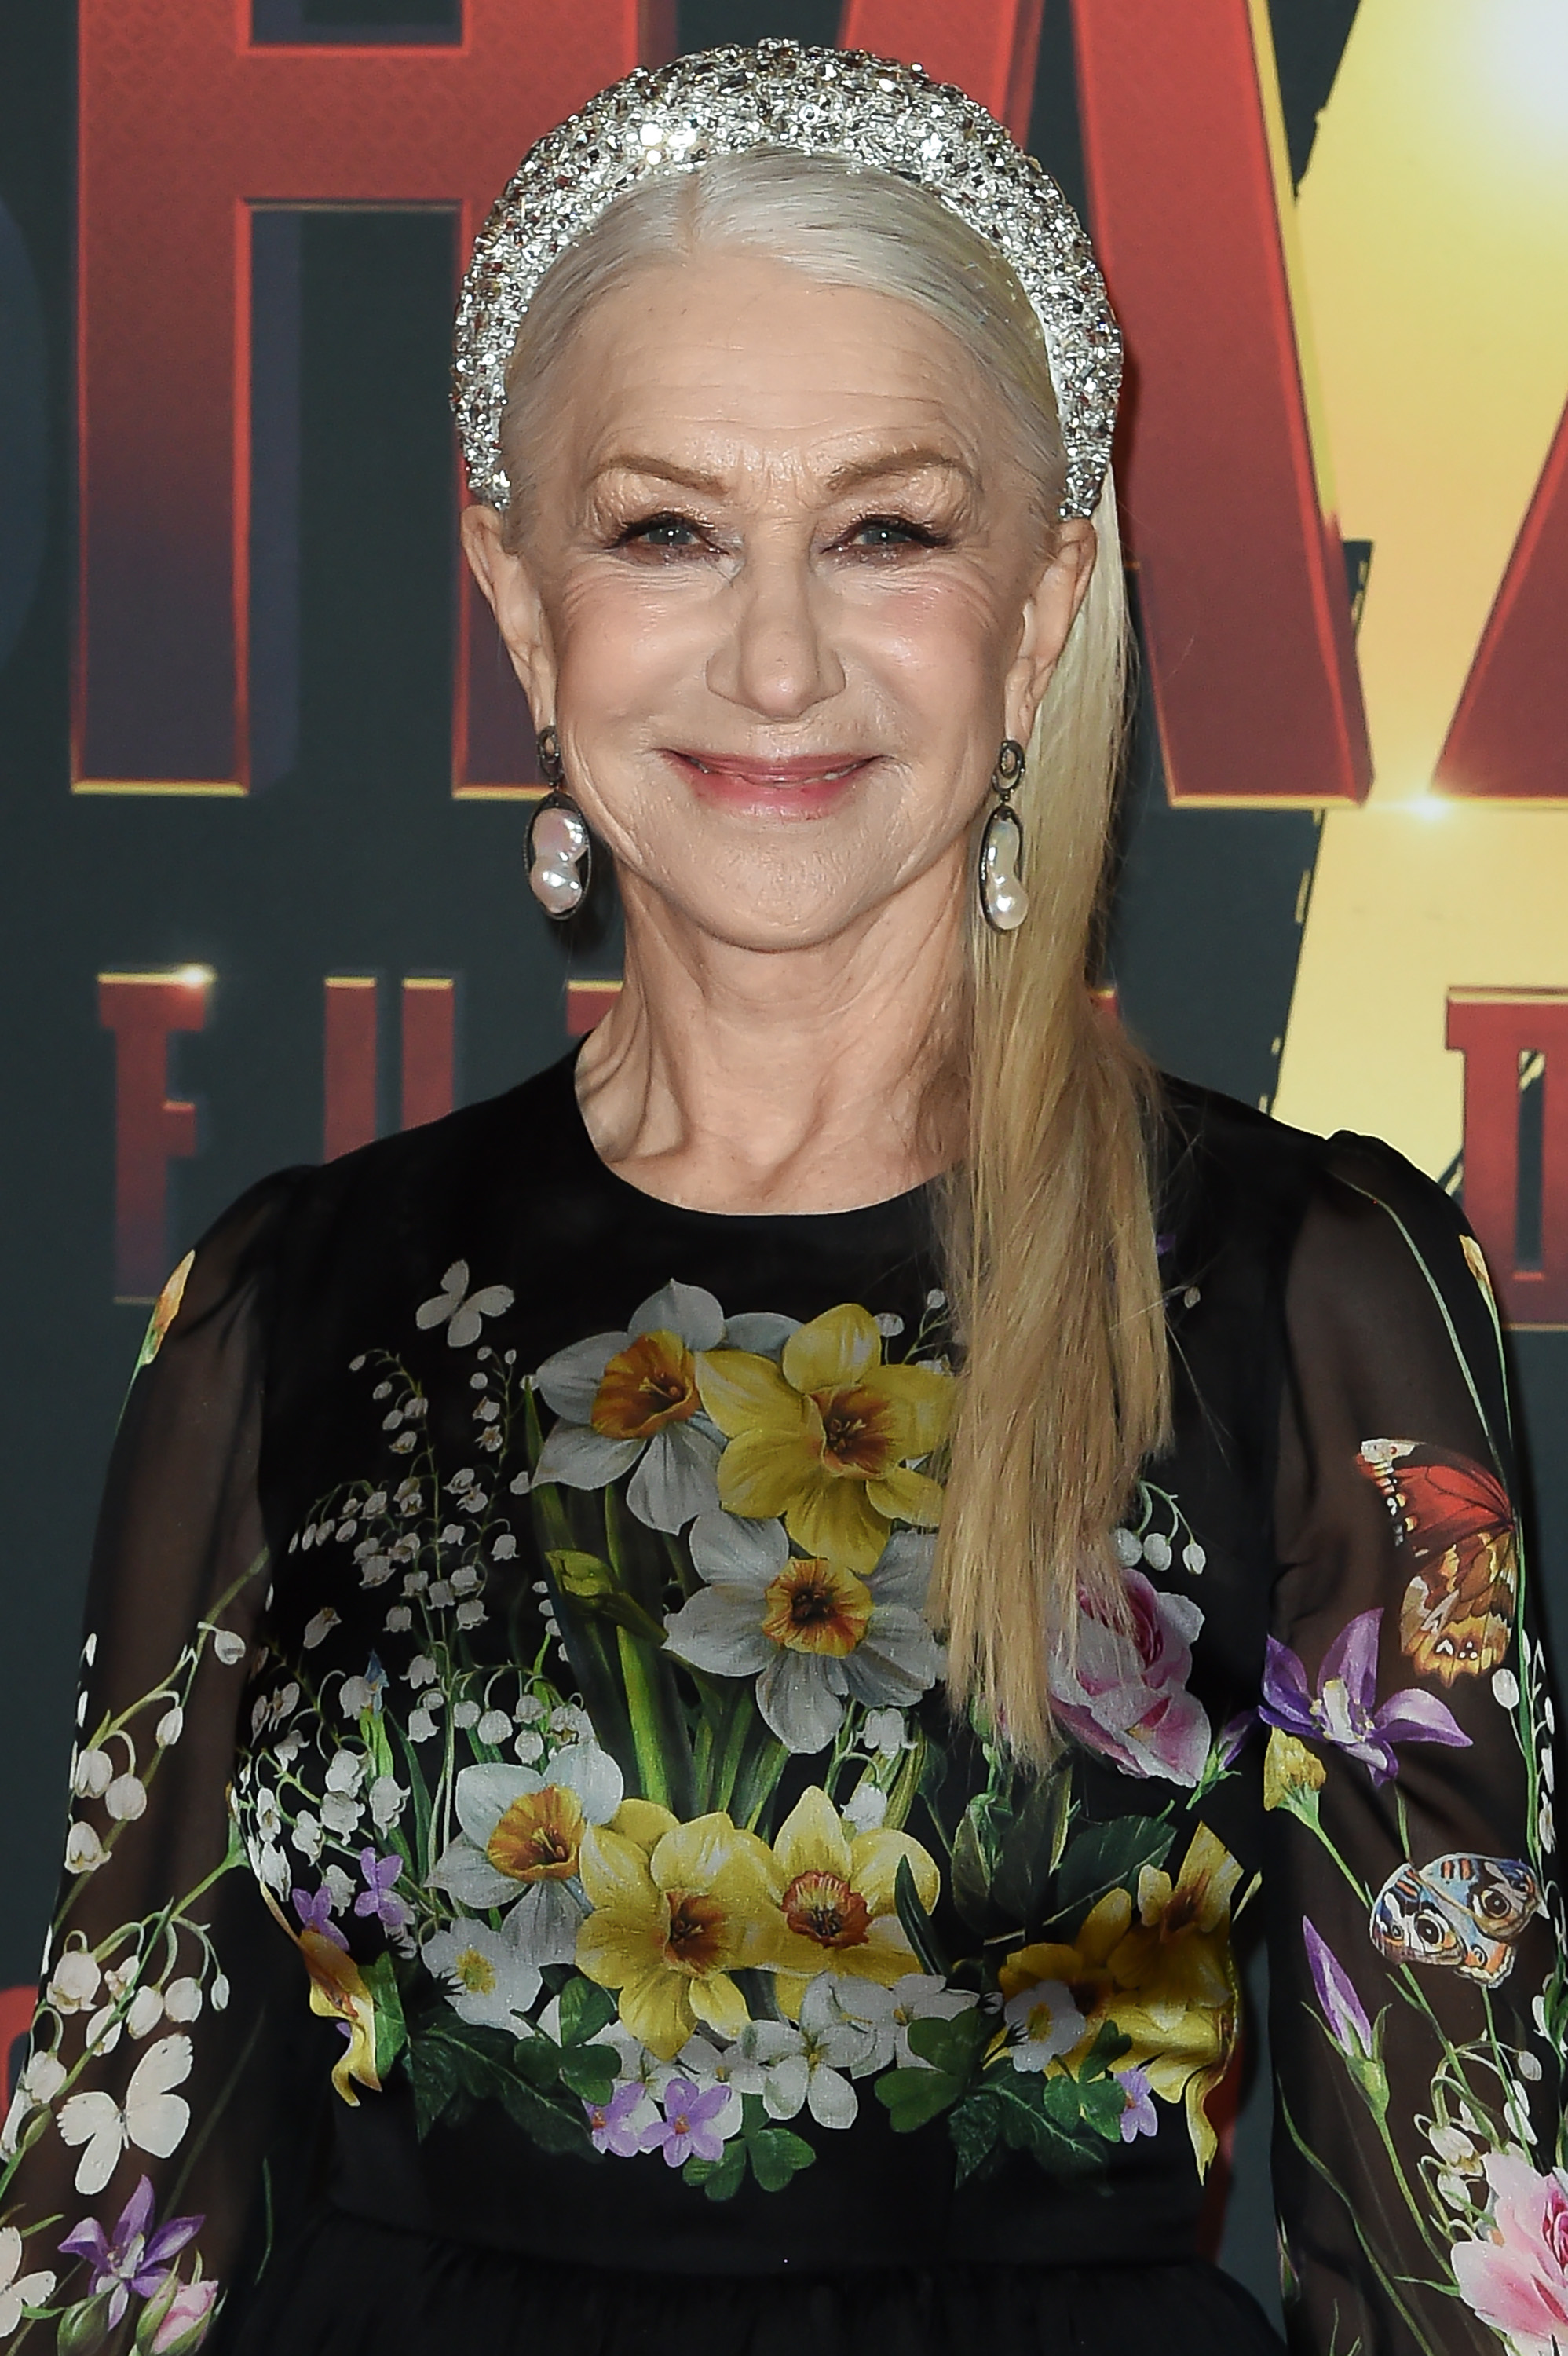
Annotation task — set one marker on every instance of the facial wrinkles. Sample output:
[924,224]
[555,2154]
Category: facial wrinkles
[774,631]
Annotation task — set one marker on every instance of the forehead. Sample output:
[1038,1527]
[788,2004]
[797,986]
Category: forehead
[739,352]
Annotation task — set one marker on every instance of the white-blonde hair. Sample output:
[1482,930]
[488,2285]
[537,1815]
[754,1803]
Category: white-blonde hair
[1049,1227]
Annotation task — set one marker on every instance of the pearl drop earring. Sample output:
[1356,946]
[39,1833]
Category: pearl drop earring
[560,848]
[1003,899]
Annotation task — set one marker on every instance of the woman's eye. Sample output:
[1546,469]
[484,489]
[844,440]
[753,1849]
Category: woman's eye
[660,532]
[893,531]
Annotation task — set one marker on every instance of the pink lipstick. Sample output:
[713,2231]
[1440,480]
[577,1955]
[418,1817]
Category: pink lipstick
[791,785]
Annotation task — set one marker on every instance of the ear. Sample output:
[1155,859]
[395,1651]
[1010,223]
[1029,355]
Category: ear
[512,593]
[1050,611]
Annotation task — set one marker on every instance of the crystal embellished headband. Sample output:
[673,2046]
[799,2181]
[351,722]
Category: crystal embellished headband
[866,111]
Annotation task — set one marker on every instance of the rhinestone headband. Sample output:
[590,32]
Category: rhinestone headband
[869,112]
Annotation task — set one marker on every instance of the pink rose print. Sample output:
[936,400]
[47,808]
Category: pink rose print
[1518,2280]
[1125,1696]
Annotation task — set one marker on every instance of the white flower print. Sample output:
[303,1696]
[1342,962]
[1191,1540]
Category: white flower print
[39,2082]
[182,1999]
[485,1978]
[885,2014]
[460,1311]
[812,1633]
[19,2290]
[320,1627]
[866,1806]
[92,1774]
[804,2067]
[1045,2022]
[84,1852]
[630,1398]
[126,1799]
[387,1798]
[74,1981]
[307,1835]
[153,2118]
[519,1841]
[884,1733]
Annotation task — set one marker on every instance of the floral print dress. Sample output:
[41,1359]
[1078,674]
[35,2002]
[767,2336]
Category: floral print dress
[526,1885]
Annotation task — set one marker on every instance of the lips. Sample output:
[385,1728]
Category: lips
[797,769]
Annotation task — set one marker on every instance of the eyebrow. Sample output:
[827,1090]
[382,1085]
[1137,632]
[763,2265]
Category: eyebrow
[853,473]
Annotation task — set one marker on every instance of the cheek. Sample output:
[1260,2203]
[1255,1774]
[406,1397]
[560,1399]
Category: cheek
[941,648]
[625,647]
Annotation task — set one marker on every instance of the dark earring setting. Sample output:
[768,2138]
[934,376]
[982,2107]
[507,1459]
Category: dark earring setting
[1004,903]
[560,848]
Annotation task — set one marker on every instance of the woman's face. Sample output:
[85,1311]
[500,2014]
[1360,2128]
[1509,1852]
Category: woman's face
[783,590]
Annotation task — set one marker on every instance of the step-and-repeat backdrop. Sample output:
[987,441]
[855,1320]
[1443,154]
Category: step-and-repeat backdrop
[263,777]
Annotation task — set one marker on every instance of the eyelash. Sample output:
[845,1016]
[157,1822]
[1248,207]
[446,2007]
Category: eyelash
[639,531]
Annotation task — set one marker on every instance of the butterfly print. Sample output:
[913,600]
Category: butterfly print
[1454,1520]
[1462,1912]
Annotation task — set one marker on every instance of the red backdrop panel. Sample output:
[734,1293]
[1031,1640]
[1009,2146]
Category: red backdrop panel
[185,126]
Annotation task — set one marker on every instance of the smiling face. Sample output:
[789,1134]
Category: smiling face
[783,587]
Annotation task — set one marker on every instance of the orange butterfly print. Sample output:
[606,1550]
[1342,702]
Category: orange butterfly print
[1454,1522]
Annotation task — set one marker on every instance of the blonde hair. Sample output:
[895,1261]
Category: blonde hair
[1048,1227]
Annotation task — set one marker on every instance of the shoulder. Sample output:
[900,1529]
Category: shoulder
[333,1230]
[1216,1153]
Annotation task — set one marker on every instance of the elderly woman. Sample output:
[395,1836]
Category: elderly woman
[761,1613]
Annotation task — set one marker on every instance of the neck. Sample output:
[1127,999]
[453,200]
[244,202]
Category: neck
[797,1079]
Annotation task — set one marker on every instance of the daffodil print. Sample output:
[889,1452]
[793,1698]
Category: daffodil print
[1157,1971]
[674,1920]
[338,1992]
[837,1898]
[831,1439]
[518,1847]
[629,1403]
[814,1634]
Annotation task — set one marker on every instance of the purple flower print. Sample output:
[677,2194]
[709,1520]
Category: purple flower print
[378,1897]
[688,2129]
[1138,2118]
[1345,2017]
[130,2261]
[1342,2008]
[1341,1711]
[313,1908]
[614,2126]
[1232,1739]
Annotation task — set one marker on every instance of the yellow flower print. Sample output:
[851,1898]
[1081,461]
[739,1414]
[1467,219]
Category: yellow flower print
[673,1921]
[650,1383]
[1164,1976]
[829,1437]
[337,1992]
[837,1906]
[1290,1769]
[1083,1969]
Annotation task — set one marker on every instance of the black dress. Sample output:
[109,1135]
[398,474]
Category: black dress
[527,1889]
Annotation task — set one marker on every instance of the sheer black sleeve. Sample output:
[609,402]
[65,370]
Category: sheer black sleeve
[131,2155]
[1415,1919]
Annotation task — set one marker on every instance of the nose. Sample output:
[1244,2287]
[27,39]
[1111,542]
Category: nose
[775,654]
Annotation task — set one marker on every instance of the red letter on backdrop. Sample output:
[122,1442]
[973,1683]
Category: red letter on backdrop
[352,1058]
[150,1129]
[1494,1030]
[1241,577]
[429,1049]
[1509,734]
[185,124]
[348,1064]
